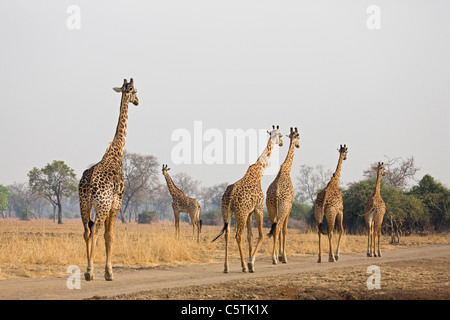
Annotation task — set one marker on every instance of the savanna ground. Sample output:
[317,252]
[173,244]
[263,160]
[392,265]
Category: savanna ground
[43,249]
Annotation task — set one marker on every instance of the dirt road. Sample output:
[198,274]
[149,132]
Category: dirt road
[175,282]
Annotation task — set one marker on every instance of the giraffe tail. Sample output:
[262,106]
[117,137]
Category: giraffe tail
[354,214]
[200,220]
[222,232]
[272,229]
[91,224]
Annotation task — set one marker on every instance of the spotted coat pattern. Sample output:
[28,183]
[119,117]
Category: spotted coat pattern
[329,204]
[280,196]
[183,203]
[102,187]
[242,199]
[374,211]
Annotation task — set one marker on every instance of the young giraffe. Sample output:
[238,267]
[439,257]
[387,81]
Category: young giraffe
[329,203]
[183,203]
[280,196]
[374,210]
[102,186]
[242,199]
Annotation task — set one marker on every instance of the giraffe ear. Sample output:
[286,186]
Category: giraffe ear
[117,89]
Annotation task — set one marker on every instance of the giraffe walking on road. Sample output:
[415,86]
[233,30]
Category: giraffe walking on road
[280,196]
[329,203]
[102,186]
[242,199]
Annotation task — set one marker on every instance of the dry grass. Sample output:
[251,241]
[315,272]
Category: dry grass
[41,248]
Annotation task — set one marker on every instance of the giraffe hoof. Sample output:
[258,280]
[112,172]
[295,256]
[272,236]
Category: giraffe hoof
[336,257]
[319,260]
[369,254]
[331,259]
[251,267]
[109,277]
[88,276]
[379,254]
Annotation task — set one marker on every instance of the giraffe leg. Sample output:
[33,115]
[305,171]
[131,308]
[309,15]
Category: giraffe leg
[249,234]
[176,214]
[89,275]
[227,240]
[379,236]
[272,211]
[197,220]
[109,235]
[330,239]
[374,234]
[283,256]
[109,240]
[259,220]
[369,238]
[276,235]
[85,217]
[239,230]
[320,235]
[341,231]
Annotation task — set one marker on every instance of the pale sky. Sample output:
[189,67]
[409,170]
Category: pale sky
[231,64]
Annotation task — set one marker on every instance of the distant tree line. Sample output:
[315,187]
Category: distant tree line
[51,192]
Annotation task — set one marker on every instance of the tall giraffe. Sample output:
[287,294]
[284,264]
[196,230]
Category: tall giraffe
[329,203]
[102,186]
[183,203]
[280,196]
[374,210]
[245,197]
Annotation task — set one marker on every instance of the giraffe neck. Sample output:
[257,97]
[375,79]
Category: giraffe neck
[337,173]
[174,191]
[378,184]
[263,160]
[121,130]
[287,164]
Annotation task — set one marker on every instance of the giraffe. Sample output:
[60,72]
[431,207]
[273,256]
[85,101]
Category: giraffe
[329,203]
[280,196]
[374,210]
[183,203]
[102,186]
[245,197]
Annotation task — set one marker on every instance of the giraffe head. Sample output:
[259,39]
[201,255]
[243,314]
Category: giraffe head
[275,136]
[295,137]
[165,169]
[129,91]
[381,168]
[343,151]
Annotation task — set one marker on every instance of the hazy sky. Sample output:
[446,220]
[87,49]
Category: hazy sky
[231,64]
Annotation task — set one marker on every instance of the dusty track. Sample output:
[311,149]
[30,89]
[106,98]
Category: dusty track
[132,281]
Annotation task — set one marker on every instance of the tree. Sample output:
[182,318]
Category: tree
[141,176]
[212,197]
[21,200]
[436,199]
[187,184]
[53,182]
[4,194]
[310,181]
[398,172]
